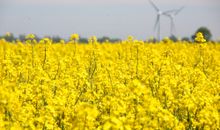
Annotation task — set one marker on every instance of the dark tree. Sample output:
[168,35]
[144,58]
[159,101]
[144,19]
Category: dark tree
[10,37]
[186,39]
[113,40]
[103,39]
[83,40]
[56,39]
[21,37]
[206,33]
[173,38]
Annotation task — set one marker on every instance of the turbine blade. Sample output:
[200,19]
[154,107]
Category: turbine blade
[169,11]
[157,21]
[155,7]
[167,14]
[179,10]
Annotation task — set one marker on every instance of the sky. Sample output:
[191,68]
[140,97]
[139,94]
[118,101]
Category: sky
[113,18]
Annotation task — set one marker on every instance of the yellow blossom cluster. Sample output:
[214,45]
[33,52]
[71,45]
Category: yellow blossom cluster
[129,85]
[200,38]
[74,37]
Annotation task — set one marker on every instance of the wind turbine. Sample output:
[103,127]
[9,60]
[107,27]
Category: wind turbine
[157,23]
[171,14]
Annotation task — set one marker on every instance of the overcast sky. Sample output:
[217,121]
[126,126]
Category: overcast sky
[113,18]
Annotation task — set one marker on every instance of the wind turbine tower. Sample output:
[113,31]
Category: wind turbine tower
[157,22]
[171,15]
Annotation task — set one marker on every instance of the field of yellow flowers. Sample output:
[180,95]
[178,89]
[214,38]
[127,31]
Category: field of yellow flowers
[129,85]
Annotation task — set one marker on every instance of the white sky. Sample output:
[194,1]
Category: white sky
[113,18]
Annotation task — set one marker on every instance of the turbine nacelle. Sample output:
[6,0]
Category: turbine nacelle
[160,13]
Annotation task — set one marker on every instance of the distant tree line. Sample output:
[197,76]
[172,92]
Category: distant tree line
[204,30]
[10,37]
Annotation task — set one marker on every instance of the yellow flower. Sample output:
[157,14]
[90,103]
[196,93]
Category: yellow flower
[93,39]
[130,38]
[200,38]
[46,41]
[109,86]
[74,37]
[8,34]
[30,36]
